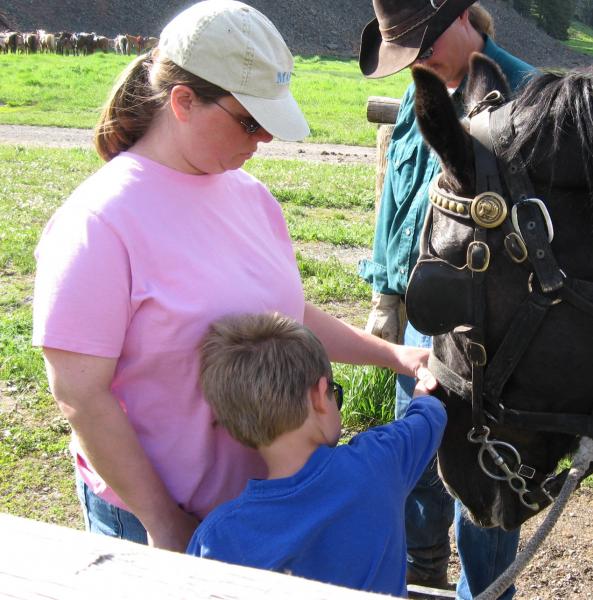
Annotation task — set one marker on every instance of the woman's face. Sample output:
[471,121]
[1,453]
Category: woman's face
[216,140]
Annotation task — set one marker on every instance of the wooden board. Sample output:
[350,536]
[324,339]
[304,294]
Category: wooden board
[38,560]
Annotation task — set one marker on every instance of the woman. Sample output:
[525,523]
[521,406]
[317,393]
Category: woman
[167,236]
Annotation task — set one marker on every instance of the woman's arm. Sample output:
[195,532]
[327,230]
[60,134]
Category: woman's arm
[348,344]
[81,386]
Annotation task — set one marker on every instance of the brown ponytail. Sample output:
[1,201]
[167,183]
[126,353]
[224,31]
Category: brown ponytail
[481,20]
[141,91]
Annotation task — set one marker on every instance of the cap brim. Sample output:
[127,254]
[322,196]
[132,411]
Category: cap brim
[281,117]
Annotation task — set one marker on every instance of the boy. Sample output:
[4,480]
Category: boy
[335,514]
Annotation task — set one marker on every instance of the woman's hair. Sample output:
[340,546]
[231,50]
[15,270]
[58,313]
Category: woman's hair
[141,91]
[255,372]
[481,20]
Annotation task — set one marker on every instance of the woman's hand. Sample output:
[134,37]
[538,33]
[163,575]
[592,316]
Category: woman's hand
[173,532]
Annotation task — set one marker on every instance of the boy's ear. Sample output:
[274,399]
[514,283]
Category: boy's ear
[318,395]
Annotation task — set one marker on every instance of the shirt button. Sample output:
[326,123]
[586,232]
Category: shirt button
[408,231]
[402,270]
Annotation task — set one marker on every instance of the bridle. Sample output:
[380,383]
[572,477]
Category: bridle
[528,233]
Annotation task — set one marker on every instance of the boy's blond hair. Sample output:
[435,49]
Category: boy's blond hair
[255,372]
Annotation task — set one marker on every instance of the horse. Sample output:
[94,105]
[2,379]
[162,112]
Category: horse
[504,283]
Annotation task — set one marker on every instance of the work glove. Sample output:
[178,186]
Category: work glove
[387,319]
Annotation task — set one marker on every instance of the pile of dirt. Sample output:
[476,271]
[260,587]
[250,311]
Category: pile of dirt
[329,28]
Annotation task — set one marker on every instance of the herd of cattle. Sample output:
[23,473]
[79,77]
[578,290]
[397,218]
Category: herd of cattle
[67,42]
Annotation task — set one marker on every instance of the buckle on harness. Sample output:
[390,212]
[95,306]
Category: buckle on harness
[478,256]
[515,247]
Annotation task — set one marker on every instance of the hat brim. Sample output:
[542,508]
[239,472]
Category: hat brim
[281,117]
[379,58]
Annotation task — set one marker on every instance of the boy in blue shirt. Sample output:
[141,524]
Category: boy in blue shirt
[325,512]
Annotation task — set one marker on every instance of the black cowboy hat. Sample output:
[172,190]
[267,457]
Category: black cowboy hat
[403,30]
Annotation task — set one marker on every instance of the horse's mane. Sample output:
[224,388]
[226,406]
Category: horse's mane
[567,102]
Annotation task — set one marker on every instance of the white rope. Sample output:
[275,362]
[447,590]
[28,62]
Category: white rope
[580,463]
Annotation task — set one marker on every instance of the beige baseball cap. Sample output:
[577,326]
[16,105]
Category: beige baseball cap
[237,48]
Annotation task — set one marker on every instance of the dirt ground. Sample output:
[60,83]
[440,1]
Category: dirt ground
[563,567]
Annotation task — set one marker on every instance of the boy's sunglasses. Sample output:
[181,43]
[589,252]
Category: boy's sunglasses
[338,392]
[250,125]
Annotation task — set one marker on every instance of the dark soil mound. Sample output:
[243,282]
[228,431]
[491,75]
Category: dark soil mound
[330,28]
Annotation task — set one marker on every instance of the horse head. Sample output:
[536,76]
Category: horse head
[505,283]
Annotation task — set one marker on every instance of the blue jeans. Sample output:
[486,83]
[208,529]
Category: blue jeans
[484,553]
[107,519]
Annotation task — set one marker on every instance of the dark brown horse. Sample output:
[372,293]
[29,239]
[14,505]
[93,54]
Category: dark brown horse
[505,284]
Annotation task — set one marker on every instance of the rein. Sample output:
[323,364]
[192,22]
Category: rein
[528,233]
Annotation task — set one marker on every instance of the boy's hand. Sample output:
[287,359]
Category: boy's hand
[426,382]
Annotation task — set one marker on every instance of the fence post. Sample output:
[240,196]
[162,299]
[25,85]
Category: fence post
[382,110]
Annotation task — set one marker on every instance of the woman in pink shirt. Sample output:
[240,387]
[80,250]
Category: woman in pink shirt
[167,236]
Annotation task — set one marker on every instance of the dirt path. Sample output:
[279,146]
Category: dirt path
[61,137]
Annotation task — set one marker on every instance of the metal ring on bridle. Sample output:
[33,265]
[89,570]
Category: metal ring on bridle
[490,447]
[545,214]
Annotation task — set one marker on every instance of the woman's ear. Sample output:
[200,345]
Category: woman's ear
[318,395]
[182,98]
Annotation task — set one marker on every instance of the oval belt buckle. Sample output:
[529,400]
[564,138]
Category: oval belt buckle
[488,210]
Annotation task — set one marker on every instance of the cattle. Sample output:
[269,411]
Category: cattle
[65,42]
[31,42]
[150,43]
[101,43]
[47,41]
[134,43]
[121,44]
[3,43]
[85,43]
[15,42]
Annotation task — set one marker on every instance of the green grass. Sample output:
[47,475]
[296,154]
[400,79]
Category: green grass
[580,38]
[68,91]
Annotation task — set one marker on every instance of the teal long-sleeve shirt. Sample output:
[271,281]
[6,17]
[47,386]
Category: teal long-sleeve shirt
[411,165]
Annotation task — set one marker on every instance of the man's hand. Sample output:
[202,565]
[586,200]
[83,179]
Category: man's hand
[387,318]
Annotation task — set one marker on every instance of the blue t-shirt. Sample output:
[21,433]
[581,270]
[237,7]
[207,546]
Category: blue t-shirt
[340,519]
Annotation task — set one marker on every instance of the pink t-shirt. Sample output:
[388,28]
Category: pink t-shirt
[135,265]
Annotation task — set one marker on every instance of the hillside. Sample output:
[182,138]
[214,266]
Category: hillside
[331,28]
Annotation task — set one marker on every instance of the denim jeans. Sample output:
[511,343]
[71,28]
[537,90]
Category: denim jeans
[107,519]
[484,553]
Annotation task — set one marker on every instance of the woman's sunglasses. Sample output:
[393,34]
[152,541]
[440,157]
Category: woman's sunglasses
[250,125]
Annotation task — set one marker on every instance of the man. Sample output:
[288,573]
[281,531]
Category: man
[441,34]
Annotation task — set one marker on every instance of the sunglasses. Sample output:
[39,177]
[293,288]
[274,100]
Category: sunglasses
[249,124]
[426,54]
[337,391]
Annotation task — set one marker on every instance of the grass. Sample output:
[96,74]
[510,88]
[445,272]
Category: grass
[68,91]
[580,38]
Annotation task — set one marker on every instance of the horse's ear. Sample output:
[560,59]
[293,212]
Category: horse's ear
[484,76]
[440,126]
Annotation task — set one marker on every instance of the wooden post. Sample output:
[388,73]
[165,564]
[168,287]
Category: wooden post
[382,110]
